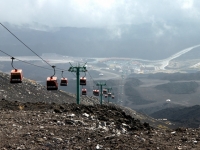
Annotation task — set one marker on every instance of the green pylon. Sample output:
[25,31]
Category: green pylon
[101,91]
[77,69]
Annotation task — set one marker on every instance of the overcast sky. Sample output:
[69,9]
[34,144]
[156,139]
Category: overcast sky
[161,27]
[98,13]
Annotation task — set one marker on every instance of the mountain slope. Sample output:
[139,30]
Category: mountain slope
[187,117]
[71,126]
[31,91]
[42,119]
[179,87]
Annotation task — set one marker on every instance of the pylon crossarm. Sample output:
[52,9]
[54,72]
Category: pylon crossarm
[74,69]
[70,64]
[99,84]
[84,64]
[82,69]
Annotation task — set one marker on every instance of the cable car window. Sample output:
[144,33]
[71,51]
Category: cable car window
[96,92]
[63,81]
[84,92]
[105,91]
[51,83]
[16,76]
[109,94]
[83,81]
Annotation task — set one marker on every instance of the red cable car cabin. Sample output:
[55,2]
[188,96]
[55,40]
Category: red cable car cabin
[96,92]
[83,81]
[105,91]
[16,76]
[52,83]
[109,94]
[63,82]
[84,91]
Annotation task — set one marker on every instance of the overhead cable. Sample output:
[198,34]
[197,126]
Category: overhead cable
[24,61]
[24,44]
[91,77]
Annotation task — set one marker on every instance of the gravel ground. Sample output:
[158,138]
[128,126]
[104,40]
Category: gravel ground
[70,126]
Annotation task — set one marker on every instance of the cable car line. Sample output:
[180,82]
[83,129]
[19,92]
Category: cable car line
[51,81]
[28,47]
[24,44]
[25,61]
[28,62]
[91,77]
[34,64]
[73,74]
[5,53]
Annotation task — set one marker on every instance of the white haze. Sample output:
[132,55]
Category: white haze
[99,13]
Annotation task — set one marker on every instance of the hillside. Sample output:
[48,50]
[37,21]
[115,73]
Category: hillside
[133,96]
[179,87]
[70,126]
[182,89]
[31,91]
[175,76]
[186,117]
[33,118]
[66,126]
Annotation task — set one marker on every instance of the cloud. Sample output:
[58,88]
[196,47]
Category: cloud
[97,13]
[187,4]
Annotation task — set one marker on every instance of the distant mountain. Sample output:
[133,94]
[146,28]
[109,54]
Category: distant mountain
[187,117]
[173,76]
[133,96]
[135,41]
[157,107]
[179,87]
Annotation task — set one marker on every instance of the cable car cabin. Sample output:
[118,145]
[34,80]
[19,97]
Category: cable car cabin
[105,91]
[105,96]
[113,96]
[96,92]
[16,76]
[84,91]
[52,83]
[83,81]
[63,82]
[109,94]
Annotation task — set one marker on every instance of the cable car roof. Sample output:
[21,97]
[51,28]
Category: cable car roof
[63,78]
[51,78]
[16,71]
